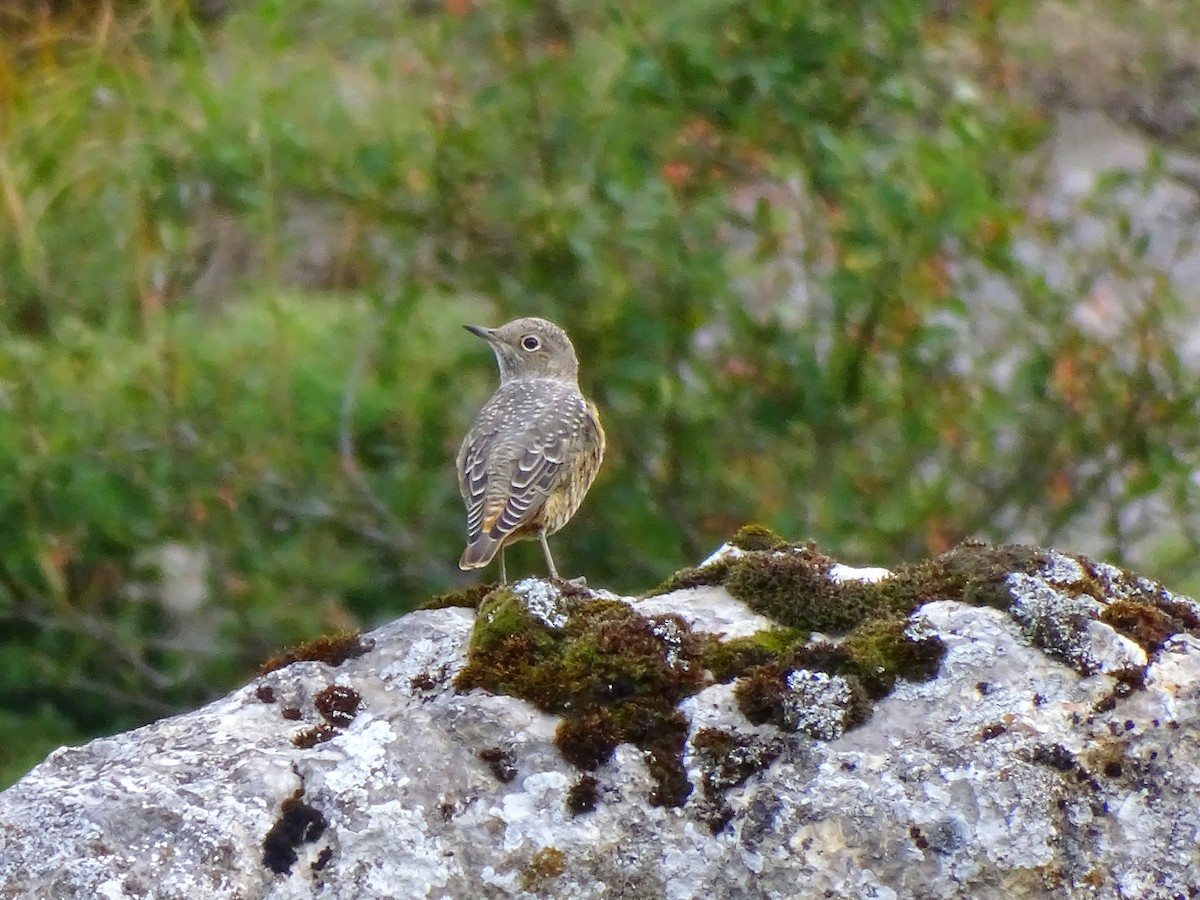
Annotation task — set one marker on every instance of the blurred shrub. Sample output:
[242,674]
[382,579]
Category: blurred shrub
[206,451]
[765,224]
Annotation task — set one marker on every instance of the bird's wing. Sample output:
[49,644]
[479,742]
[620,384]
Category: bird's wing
[473,480]
[499,502]
[531,479]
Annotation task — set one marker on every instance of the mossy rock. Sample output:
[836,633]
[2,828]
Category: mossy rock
[616,676]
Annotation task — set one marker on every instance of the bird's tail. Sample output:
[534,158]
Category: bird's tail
[479,552]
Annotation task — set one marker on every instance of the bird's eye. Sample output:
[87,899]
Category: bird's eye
[529,342]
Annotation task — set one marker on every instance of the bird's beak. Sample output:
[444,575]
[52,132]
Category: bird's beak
[479,331]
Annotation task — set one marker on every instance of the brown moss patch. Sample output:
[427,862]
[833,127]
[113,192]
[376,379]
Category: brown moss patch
[973,572]
[582,795]
[322,859]
[426,681]
[1147,625]
[726,761]
[665,762]
[1185,614]
[546,865]
[1126,681]
[338,704]
[333,650]
[993,731]
[1137,594]
[880,652]
[1111,759]
[1056,756]
[310,737]
[760,695]
[298,823]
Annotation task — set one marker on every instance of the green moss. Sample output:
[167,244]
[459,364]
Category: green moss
[729,659]
[468,597]
[333,650]
[794,588]
[870,660]
[614,675]
[757,537]
[751,537]
[501,616]
[880,652]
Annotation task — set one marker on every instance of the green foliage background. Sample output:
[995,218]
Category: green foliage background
[758,220]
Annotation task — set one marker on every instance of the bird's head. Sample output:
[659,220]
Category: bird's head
[530,348]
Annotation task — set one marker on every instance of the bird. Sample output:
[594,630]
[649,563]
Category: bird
[535,447]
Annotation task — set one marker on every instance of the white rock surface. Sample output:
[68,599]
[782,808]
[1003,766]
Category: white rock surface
[999,778]
[707,608]
[850,573]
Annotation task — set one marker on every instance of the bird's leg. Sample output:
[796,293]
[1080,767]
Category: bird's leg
[549,558]
[503,571]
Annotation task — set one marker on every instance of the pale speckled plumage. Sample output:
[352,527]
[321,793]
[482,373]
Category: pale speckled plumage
[534,449]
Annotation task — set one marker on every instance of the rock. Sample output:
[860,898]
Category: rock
[1049,747]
